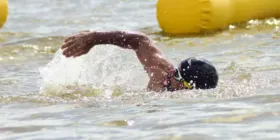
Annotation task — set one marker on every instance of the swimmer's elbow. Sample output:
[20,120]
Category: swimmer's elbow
[140,40]
[144,38]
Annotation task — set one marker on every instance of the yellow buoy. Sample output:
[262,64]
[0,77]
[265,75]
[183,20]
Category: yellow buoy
[3,12]
[195,16]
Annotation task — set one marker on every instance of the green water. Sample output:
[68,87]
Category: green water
[101,95]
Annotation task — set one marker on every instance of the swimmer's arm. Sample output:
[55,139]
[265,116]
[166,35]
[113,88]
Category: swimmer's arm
[146,52]
[127,40]
[156,81]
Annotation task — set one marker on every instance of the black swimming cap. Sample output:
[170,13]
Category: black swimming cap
[199,73]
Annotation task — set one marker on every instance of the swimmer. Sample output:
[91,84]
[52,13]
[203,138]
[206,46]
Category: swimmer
[191,73]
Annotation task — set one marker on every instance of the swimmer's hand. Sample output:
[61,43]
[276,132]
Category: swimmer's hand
[78,44]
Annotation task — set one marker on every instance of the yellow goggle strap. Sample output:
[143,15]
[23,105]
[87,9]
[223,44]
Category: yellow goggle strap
[187,85]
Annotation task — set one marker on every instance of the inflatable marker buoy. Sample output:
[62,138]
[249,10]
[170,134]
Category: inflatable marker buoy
[3,12]
[195,16]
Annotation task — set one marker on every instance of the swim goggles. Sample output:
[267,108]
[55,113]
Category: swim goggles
[178,77]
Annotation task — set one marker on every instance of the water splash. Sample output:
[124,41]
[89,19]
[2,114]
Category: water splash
[104,68]
[109,73]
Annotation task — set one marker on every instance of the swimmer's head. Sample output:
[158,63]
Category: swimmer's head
[197,73]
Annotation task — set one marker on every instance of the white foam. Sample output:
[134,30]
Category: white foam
[103,67]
